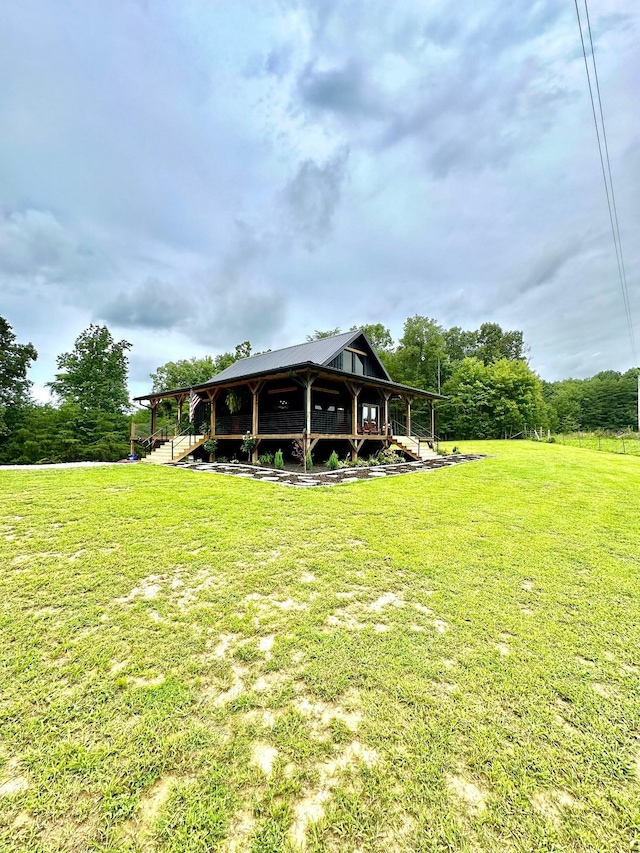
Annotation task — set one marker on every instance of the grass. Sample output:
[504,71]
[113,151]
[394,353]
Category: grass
[443,661]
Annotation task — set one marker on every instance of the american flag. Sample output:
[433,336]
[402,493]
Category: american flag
[194,399]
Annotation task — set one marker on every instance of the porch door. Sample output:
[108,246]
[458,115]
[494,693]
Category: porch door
[370,415]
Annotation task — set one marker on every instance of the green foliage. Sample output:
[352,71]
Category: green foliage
[308,462]
[233,400]
[378,336]
[318,335]
[606,401]
[248,443]
[67,434]
[185,373]
[15,360]
[265,458]
[333,463]
[210,445]
[491,401]
[278,461]
[94,373]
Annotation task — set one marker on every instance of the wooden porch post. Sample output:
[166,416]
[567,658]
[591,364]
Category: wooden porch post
[433,422]
[212,422]
[307,417]
[355,393]
[255,396]
[407,403]
[386,395]
[132,435]
[154,409]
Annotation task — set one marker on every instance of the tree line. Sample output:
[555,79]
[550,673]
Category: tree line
[488,387]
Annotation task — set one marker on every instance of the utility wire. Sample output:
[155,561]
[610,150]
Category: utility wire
[613,213]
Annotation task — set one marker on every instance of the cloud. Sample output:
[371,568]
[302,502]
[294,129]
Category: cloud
[155,305]
[341,90]
[312,196]
[34,243]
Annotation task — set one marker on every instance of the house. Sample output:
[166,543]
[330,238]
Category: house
[331,393]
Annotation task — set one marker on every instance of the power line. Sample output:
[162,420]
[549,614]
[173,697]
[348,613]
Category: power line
[611,201]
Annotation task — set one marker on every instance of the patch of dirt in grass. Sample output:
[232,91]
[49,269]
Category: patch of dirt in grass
[148,682]
[242,828]
[526,611]
[441,626]
[270,681]
[263,756]
[140,827]
[11,781]
[77,554]
[234,691]
[342,618]
[415,627]
[466,792]
[22,821]
[630,669]
[585,661]
[565,725]
[310,809]
[266,603]
[224,644]
[117,666]
[151,802]
[307,577]
[148,588]
[45,611]
[527,585]
[449,663]
[41,555]
[387,599]
[503,648]
[265,644]
[323,713]
[604,690]
[551,803]
[422,609]
[446,687]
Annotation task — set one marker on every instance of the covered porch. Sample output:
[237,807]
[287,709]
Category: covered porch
[307,406]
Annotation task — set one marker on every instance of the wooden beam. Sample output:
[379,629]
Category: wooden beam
[358,351]
[281,390]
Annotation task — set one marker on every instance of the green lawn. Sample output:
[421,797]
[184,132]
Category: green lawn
[442,661]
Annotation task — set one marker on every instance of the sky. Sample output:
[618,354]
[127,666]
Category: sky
[196,174]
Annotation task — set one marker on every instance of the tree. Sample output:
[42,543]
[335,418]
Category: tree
[378,336]
[493,344]
[491,400]
[329,333]
[15,360]
[420,349]
[94,374]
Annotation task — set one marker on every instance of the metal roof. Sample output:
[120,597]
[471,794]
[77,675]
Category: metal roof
[319,352]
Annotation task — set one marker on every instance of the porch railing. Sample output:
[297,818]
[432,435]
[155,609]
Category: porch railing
[278,423]
[233,424]
[331,423]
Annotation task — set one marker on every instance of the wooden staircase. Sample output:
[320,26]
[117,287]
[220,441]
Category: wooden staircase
[174,449]
[414,446]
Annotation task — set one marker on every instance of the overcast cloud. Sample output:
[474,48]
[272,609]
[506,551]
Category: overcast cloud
[195,175]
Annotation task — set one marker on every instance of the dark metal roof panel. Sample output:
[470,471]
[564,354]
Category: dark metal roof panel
[317,352]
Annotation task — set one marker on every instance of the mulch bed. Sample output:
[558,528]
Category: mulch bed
[325,478]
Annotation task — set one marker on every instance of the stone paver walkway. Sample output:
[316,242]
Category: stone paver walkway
[325,478]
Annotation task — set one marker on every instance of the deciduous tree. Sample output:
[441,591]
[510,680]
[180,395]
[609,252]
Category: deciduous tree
[94,374]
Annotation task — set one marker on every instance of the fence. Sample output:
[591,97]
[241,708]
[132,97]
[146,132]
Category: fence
[627,443]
